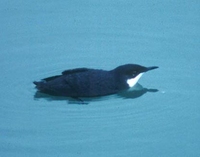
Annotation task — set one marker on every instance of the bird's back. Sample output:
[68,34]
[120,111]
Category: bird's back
[91,83]
[88,83]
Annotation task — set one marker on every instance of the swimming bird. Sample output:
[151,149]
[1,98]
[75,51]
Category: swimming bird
[86,82]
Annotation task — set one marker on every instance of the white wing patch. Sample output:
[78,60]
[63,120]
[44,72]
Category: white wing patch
[133,81]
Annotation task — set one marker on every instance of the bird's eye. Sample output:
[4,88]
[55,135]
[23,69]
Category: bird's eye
[134,72]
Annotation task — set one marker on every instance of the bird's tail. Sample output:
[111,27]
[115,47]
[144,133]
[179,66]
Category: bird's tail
[40,85]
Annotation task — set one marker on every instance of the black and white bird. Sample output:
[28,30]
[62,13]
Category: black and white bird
[85,82]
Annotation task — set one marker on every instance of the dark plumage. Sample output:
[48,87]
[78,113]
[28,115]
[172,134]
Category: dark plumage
[84,82]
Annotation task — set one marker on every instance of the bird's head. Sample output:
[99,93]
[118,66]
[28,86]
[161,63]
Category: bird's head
[132,72]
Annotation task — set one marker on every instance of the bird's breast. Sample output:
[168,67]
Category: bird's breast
[131,82]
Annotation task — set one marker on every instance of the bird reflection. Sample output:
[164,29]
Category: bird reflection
[137,91]
[133,93]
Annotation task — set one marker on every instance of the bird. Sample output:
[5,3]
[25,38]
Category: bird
[88,82]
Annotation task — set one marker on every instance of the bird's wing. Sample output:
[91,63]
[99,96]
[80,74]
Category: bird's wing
[66,72]
[72,71]
[50,78]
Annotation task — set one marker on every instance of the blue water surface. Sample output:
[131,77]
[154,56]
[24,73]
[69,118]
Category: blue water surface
[43,38]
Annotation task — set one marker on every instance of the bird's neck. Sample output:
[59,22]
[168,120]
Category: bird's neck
[132,82]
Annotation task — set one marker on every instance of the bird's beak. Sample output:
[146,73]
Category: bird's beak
[151,68]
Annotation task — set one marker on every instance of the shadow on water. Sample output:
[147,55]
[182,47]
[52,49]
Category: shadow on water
[133,93]
[136,92]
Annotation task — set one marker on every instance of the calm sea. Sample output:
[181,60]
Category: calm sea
[42,38]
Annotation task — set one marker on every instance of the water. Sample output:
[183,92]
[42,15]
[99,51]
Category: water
[40,39]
